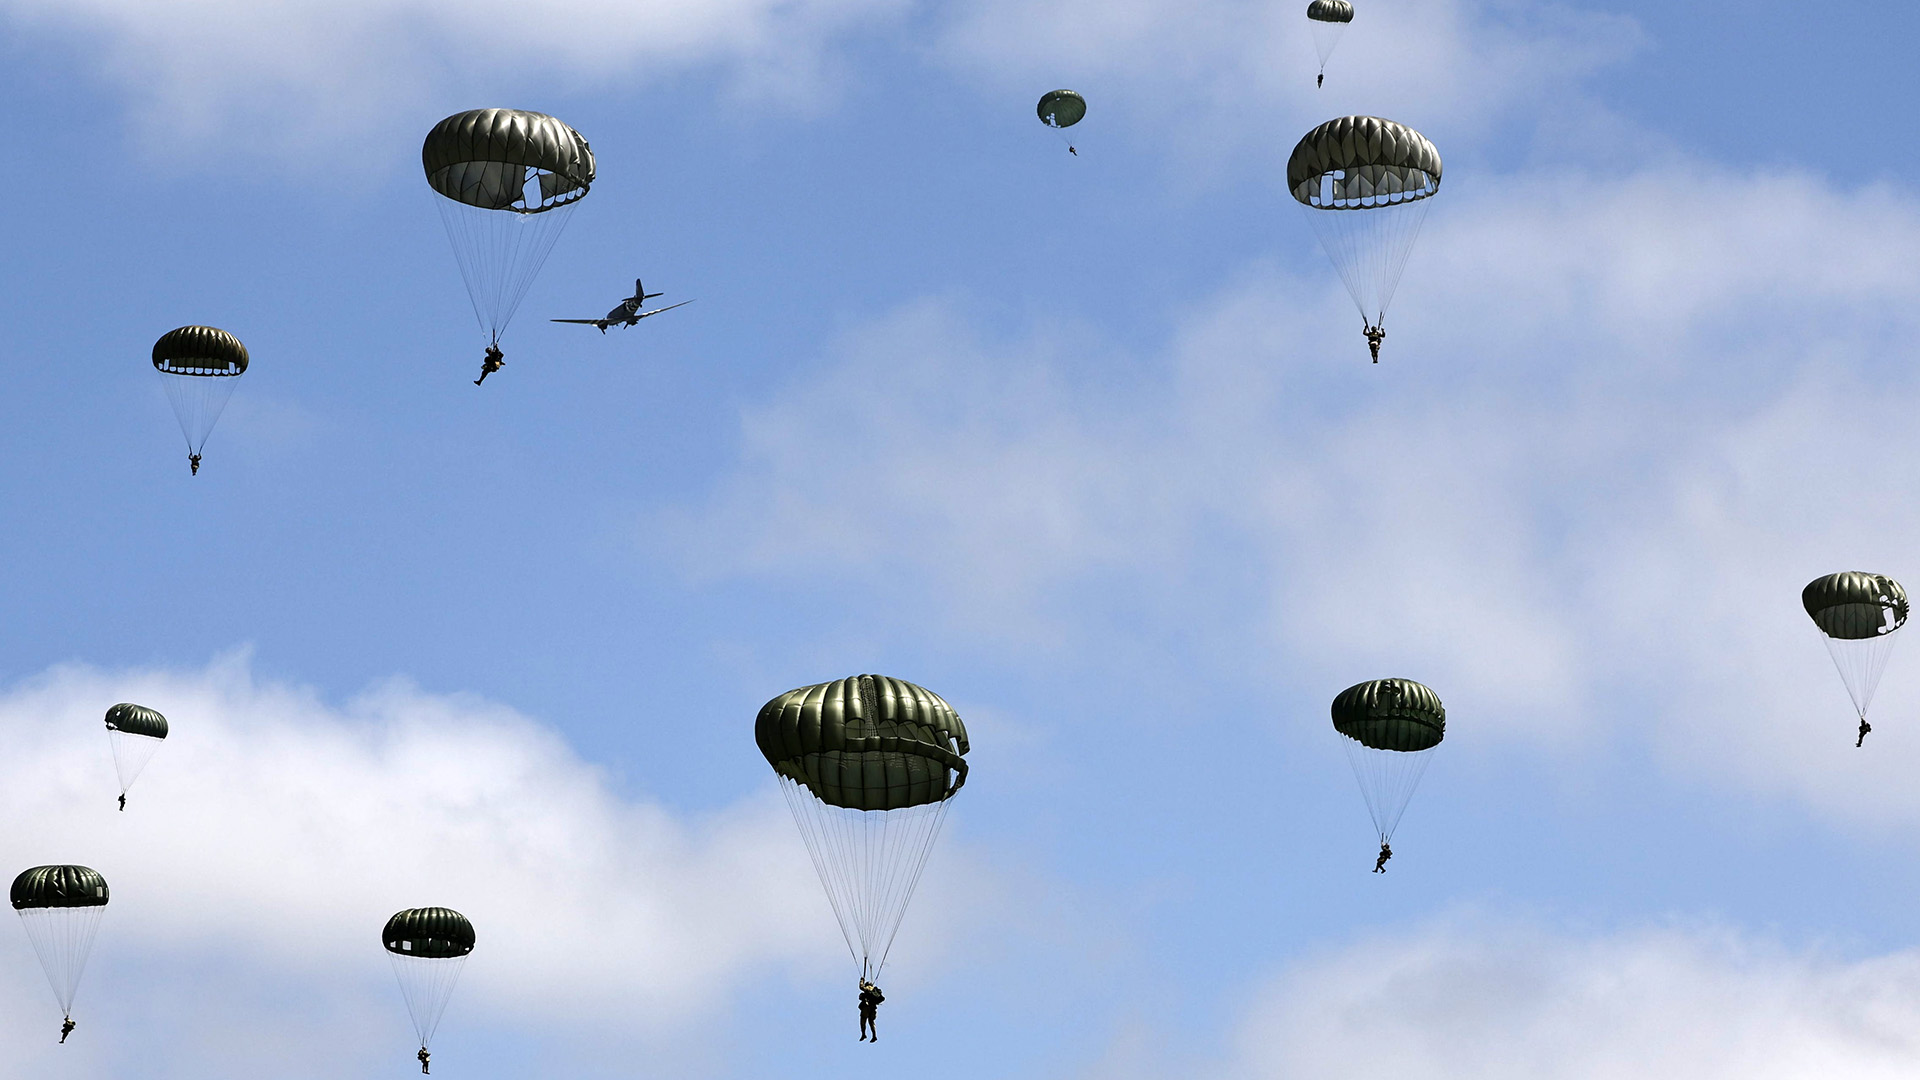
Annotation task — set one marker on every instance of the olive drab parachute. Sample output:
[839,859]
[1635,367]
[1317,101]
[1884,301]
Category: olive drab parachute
[135,732]
[1364,183]
[1060,110]
[1389,728]
[1858,615]
[428,947]
[199,366]
[869,766]
[1328,18]
[61,907]
[508,181]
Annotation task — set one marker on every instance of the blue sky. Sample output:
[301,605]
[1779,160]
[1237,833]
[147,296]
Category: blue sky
[1089,446]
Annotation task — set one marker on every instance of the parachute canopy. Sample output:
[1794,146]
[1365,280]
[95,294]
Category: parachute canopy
[1855,606]
[1389,728]
[1363,183]
[433,932]
[1062,108]
[1857,614]
[489,157]
[130,719]
[1391,714]
[509,181]
[1330,11]
[871,743]
[61,908]
[869,766]
[59,887]
[203,351]
[428,947]
[199,366]
[1359,162]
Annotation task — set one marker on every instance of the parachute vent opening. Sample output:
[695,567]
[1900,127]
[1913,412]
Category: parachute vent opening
[870,862]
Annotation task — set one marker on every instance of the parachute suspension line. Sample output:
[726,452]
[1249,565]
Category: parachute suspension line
[1387,781]
[198,401]
[130,755]
[500,252]
[1861,662]
[427,984]
[870,862]
[1369,245]
[62,938]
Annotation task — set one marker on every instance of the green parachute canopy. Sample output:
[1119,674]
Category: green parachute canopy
[509,181]
[869,766]
[1389,728]
[1330,11]
[867,743]
[429,948]
[1061,108]
[436,933]
[61,908]
[1858,615]
[1391,714]
[136,720]
[59,887]
[199,367]
[1364,185]
[1853,605]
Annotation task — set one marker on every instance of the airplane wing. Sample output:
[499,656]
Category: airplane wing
[601,323]
[658,310]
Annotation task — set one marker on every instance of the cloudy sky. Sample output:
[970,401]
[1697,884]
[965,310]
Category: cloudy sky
[1088,445]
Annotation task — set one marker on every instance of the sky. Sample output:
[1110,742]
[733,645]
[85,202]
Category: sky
[1088,445]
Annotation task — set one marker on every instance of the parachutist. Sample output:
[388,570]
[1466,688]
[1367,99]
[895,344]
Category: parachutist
[66,1028]
[123,803]
[1319,80]
[1375,335]
[870,999]
[1864,728]
[425,1060]
[1380,864]
[193,461]
[1072,151]
[494,362]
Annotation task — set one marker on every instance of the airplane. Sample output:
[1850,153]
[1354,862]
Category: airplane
[628,313]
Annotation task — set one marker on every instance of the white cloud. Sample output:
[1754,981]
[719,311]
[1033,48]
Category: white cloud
[1493,1003]
[293,75]
[272,836]
[1618,423]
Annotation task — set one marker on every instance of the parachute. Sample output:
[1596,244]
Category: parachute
[509,181]
[1061,109]
[1328,18]
[869,766]
[428,947]
[135,732]
[1363,183]
[199,366]
[1389,727]
[1858,615]
[61,908]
